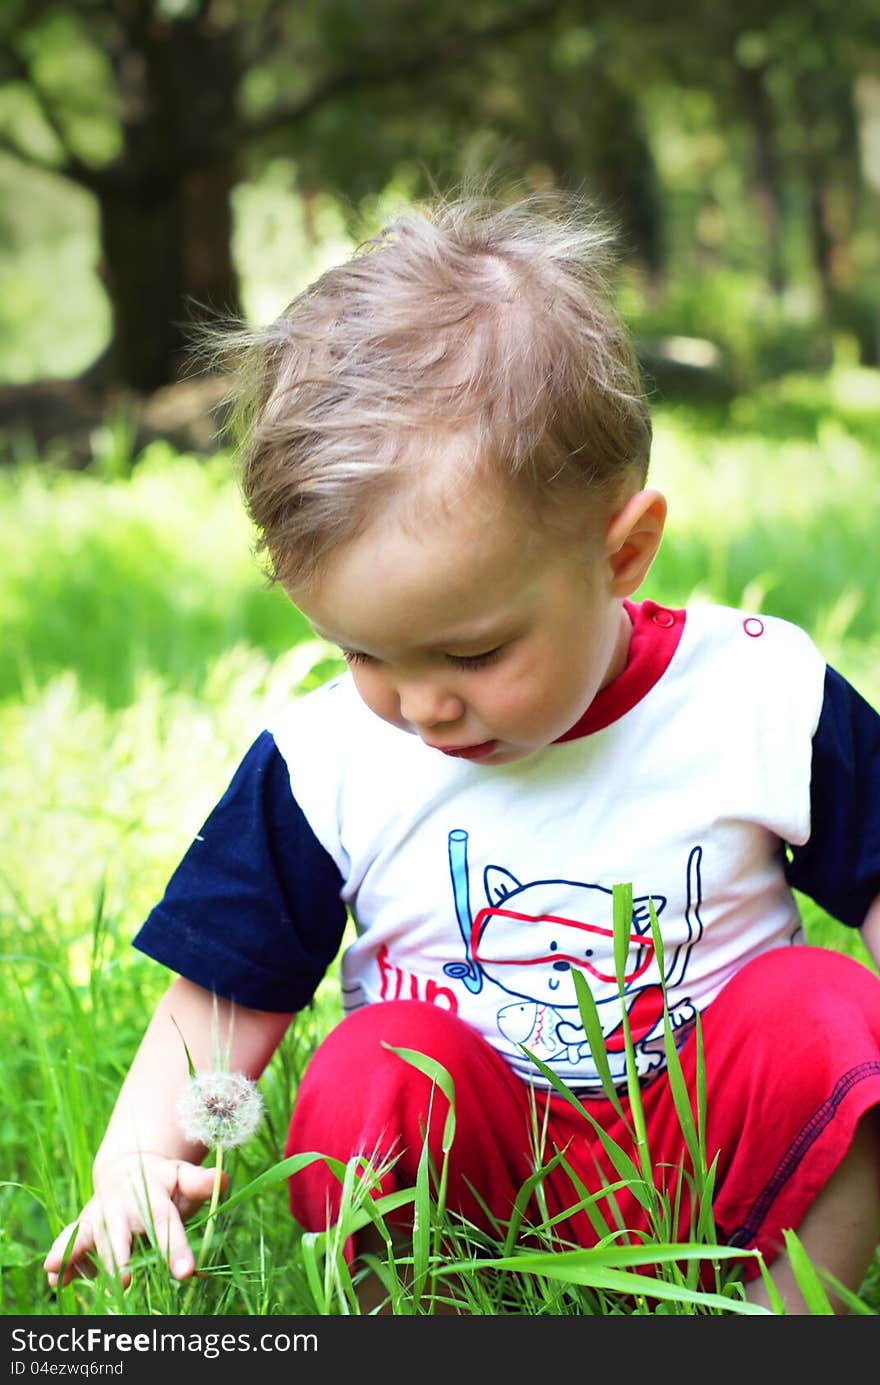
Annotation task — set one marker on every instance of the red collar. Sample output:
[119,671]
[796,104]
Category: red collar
[656,631]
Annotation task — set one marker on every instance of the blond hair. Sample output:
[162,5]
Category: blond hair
[472,319]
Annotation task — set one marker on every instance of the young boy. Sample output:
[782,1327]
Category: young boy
[446,458]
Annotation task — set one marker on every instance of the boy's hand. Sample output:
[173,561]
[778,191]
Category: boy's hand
[136,1195]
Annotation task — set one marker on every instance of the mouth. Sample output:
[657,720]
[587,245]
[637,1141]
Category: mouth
[467,752]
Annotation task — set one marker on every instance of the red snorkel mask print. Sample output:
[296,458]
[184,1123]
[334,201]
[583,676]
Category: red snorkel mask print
[578,938]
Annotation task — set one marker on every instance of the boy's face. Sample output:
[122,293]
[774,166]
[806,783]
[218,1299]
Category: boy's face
[485,634]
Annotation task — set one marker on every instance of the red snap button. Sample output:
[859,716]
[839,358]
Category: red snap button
[753,626]
[663,618]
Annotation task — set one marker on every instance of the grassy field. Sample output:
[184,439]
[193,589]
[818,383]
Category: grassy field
[141,652]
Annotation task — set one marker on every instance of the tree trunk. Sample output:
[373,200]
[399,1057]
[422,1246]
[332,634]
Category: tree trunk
[592,133]
[768,182]
[166,254]
[625,169]
[164,207]
[821,243]
[832,178]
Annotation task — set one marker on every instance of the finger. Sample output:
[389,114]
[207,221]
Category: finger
[172,1244]
[56,1250]
[195,1185]
[113,1242]
[71,1255]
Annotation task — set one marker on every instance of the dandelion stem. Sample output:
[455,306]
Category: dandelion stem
[209,1224]
[215,1199]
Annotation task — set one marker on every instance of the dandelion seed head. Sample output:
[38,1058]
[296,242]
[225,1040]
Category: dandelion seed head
[219,1108]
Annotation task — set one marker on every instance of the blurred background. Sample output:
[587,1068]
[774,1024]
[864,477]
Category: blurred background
[163,159]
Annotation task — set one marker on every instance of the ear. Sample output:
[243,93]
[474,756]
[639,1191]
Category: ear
[498,884]
[633,538]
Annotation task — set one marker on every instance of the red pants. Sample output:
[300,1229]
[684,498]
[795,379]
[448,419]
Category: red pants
[792,1056]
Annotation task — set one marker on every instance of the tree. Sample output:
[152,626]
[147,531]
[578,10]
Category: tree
[158,106]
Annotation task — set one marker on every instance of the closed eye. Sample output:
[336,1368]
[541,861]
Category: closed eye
[463,661]
[476,660]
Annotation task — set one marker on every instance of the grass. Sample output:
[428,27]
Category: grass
[140,653]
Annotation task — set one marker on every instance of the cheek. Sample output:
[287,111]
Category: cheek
[549,690]
[507,695]
[375,691]
[539,676]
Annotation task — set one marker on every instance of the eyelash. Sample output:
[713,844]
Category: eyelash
[462,661]
[466,661]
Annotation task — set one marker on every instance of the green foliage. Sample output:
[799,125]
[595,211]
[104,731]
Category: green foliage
[54,314]
[120,578]
[727,146]
[744,334]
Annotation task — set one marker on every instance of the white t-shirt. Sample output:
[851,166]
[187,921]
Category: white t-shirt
[485,889]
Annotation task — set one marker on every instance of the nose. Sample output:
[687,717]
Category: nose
[425,704]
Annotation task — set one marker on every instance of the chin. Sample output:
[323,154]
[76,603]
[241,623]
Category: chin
[509,755]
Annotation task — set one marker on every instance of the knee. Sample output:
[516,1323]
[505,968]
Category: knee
[370,1060]
[363,1092]
[799,983]
[364,1041]
[803,1016]
[366,1036]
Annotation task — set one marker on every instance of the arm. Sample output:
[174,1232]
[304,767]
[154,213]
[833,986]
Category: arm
[839,865]
[144,1157]
[258,890]
[870,932]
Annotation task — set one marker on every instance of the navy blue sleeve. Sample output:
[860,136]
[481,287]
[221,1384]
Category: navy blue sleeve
[839,867]
[254,911]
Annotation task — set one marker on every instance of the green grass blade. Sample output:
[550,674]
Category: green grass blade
[593,1029]
[622,912]
[598,1269]
[284,1169]
[439,1075]
[623,1165]
[421,1229]
[623,924]
[524,1197]
[589,1202]
[807,1277]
